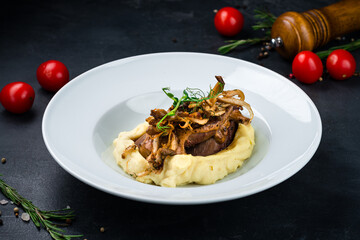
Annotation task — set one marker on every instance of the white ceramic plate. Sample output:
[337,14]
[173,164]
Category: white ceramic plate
[84,117]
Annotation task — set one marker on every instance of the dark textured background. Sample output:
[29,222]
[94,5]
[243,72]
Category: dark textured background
[319,202]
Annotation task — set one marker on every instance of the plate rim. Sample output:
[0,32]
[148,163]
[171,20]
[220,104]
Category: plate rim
[186,201]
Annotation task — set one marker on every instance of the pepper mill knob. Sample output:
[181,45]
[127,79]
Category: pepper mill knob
[276,42]
[294,32]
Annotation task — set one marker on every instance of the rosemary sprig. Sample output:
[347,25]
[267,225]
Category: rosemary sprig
[265,22]
[235,43]
[44,219]
[349,47]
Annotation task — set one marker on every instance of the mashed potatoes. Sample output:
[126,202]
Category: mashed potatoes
[184,169]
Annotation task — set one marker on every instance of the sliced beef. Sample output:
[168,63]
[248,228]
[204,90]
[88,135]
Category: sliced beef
[206,140]
[211,146]
[197,138]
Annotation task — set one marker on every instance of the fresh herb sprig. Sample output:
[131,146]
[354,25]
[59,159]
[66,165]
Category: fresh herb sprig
[235,43]
[189,95]
[176,105]
[349,47]
[41,219]
[265,22]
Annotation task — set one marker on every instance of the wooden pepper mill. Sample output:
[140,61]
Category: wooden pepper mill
[294,32]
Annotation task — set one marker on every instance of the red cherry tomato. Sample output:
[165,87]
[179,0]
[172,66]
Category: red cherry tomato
[340,64]
[17,97]
[307,67]
[52,75]
[229,21]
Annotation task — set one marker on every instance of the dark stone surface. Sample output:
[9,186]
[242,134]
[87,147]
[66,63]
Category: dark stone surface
[319,202]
